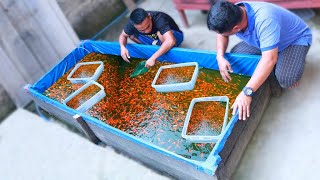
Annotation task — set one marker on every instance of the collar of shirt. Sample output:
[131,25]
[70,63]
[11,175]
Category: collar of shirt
[250,16]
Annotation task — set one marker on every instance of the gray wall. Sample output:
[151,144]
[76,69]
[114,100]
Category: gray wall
[88,17]
[6,104]
[34,36]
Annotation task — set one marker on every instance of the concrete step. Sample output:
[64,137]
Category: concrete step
[31,148]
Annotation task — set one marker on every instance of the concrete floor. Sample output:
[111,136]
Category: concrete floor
[284,146]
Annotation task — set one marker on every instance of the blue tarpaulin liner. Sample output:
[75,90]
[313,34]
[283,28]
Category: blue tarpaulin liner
[241,64]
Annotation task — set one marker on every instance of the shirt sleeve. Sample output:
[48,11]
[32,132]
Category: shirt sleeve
[129,29]
[269,34]
[163,25]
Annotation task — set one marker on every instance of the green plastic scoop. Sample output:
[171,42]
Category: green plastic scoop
[140,69]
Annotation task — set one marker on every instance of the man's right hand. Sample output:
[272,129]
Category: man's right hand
[225,68]
[125,54]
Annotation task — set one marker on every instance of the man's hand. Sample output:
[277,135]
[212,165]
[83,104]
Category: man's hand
[150,62]
[125,54]
[225,68]
[242,103]
[168,41]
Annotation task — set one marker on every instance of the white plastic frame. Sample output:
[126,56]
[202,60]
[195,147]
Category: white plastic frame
[90,102]
[204,139]
[185,86]
[94,77]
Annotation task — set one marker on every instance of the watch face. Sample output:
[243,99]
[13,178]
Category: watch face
[248,91]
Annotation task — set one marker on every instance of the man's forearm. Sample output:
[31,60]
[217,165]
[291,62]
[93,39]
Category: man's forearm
[166,46]
[222,44]
[122,40]
[263,70]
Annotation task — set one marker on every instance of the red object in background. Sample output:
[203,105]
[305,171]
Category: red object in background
[182,5]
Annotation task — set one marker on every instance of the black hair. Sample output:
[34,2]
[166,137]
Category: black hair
[138,15]
[223,16]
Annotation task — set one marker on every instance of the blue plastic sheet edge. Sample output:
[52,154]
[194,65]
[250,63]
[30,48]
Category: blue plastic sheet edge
[214,159]
[241,64]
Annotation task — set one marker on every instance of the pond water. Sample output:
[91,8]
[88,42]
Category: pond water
[133,106]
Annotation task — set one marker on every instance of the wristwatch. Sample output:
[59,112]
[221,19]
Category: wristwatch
[248,91]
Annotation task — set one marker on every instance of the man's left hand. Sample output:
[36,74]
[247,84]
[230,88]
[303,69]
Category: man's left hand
[150,62]
[242,103]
